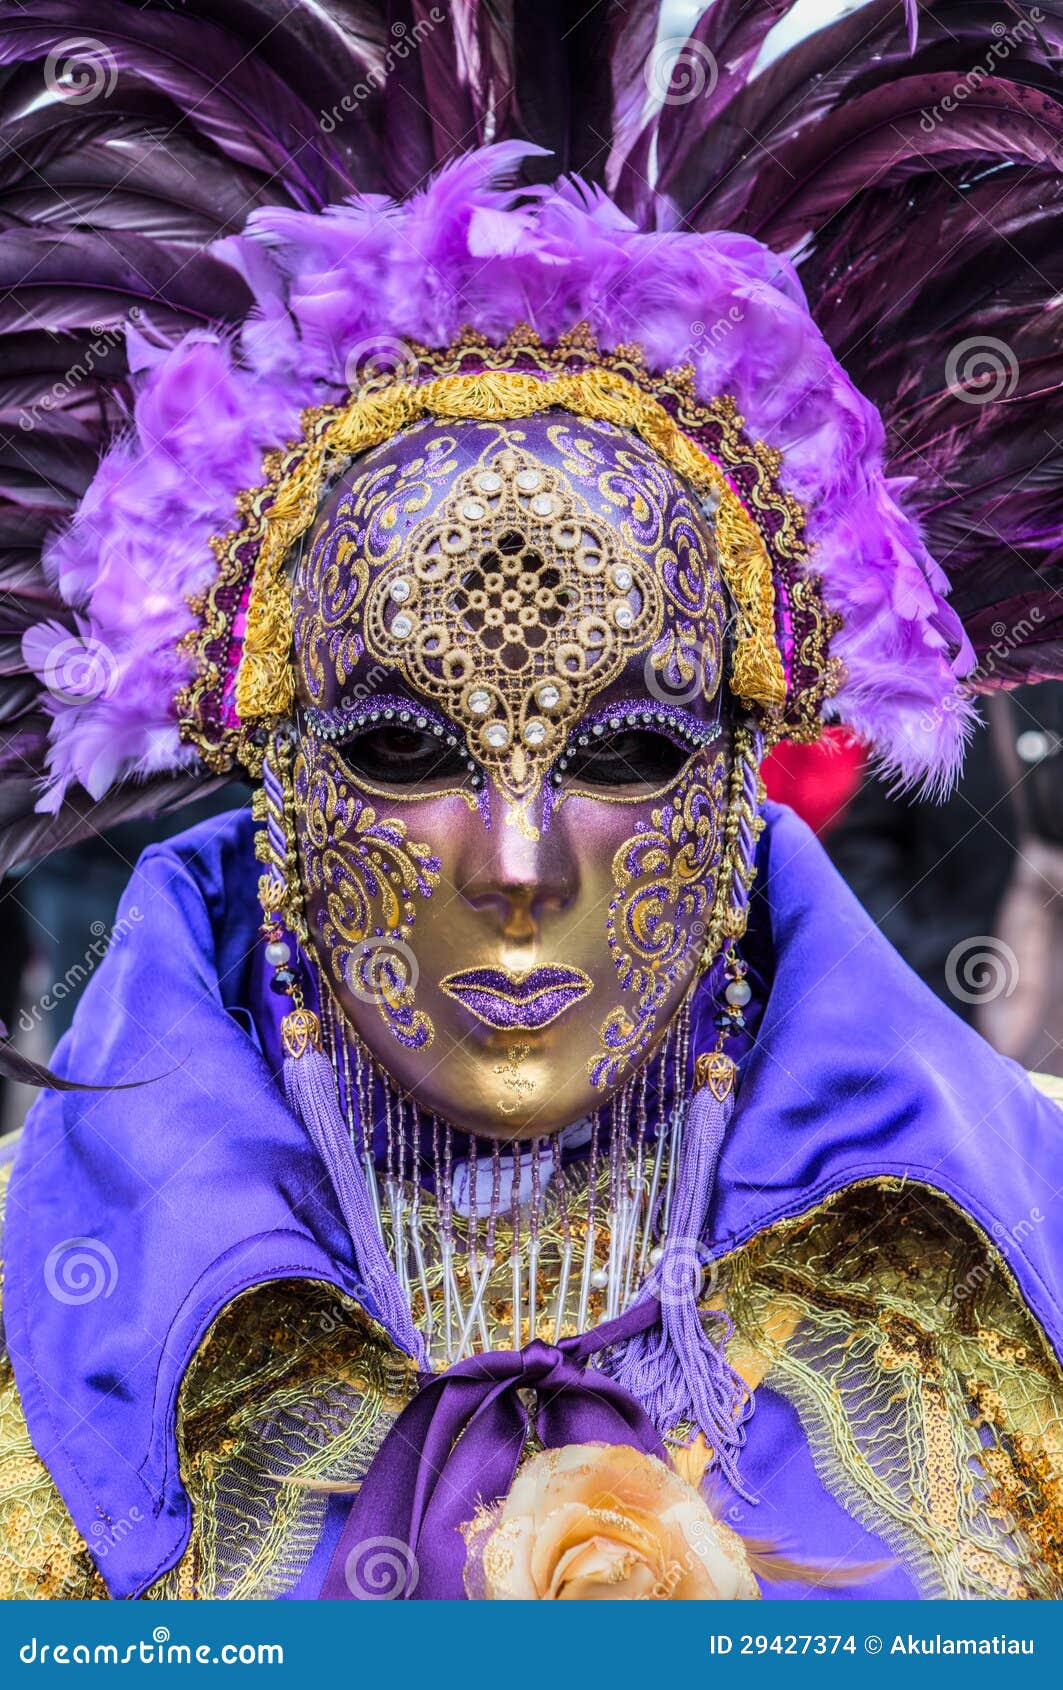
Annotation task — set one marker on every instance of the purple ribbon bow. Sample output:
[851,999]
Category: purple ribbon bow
[458,1443]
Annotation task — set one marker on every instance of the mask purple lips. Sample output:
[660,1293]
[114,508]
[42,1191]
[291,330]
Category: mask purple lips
[506,1001]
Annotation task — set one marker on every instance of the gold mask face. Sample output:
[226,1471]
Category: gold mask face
[511,778]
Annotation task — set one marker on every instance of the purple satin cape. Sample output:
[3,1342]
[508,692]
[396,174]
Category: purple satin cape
[203,1184]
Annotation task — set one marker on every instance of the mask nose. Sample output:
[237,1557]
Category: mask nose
[516,880]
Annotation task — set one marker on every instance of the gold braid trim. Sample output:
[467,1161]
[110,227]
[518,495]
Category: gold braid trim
[265,682]
[738,866]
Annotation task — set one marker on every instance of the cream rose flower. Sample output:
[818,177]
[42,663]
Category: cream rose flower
[595,1522]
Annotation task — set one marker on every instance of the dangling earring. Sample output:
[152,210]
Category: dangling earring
[309,1079]
[743,825]
[282,911]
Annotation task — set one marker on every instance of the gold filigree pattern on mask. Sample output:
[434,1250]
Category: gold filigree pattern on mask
[511,606]
[755,532]
[363,876]
[666,877]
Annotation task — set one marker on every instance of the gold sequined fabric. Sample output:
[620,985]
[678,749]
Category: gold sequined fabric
[931,1405]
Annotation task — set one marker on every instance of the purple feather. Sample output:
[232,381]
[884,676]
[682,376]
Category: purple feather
[466,250]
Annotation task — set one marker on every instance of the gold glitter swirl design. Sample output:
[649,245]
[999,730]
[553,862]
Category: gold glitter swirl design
[665,877]
[362,536]
[511,606]
[688,652]
[364,875]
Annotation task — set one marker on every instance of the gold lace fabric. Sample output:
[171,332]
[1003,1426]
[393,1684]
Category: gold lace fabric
[931,1405]
[290,1395]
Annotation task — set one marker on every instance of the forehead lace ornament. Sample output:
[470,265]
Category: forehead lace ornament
[511,606]
[247,615]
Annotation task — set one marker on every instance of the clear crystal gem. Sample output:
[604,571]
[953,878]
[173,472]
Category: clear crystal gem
[534,732]
[542,504]
[497,736]
[473,509]
[623,577]
[528,480]
[402,627]
[479,702]
[400,590]
[548,696]
[623,616]
[489,482]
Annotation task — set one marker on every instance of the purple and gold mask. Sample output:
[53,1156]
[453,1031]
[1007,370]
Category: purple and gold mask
[511,776]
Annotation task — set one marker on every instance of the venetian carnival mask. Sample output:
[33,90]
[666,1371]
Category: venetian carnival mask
[511,769]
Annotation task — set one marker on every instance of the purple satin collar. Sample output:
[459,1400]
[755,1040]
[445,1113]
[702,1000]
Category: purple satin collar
[204,1184]
[458,1444]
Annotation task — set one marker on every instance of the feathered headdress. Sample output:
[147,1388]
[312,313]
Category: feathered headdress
[244,243]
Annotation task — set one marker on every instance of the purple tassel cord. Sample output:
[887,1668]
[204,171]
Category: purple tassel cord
[674,1368]
[310,1087]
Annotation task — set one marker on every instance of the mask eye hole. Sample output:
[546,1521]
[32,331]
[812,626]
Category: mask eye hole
[626,757]
[395,755]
